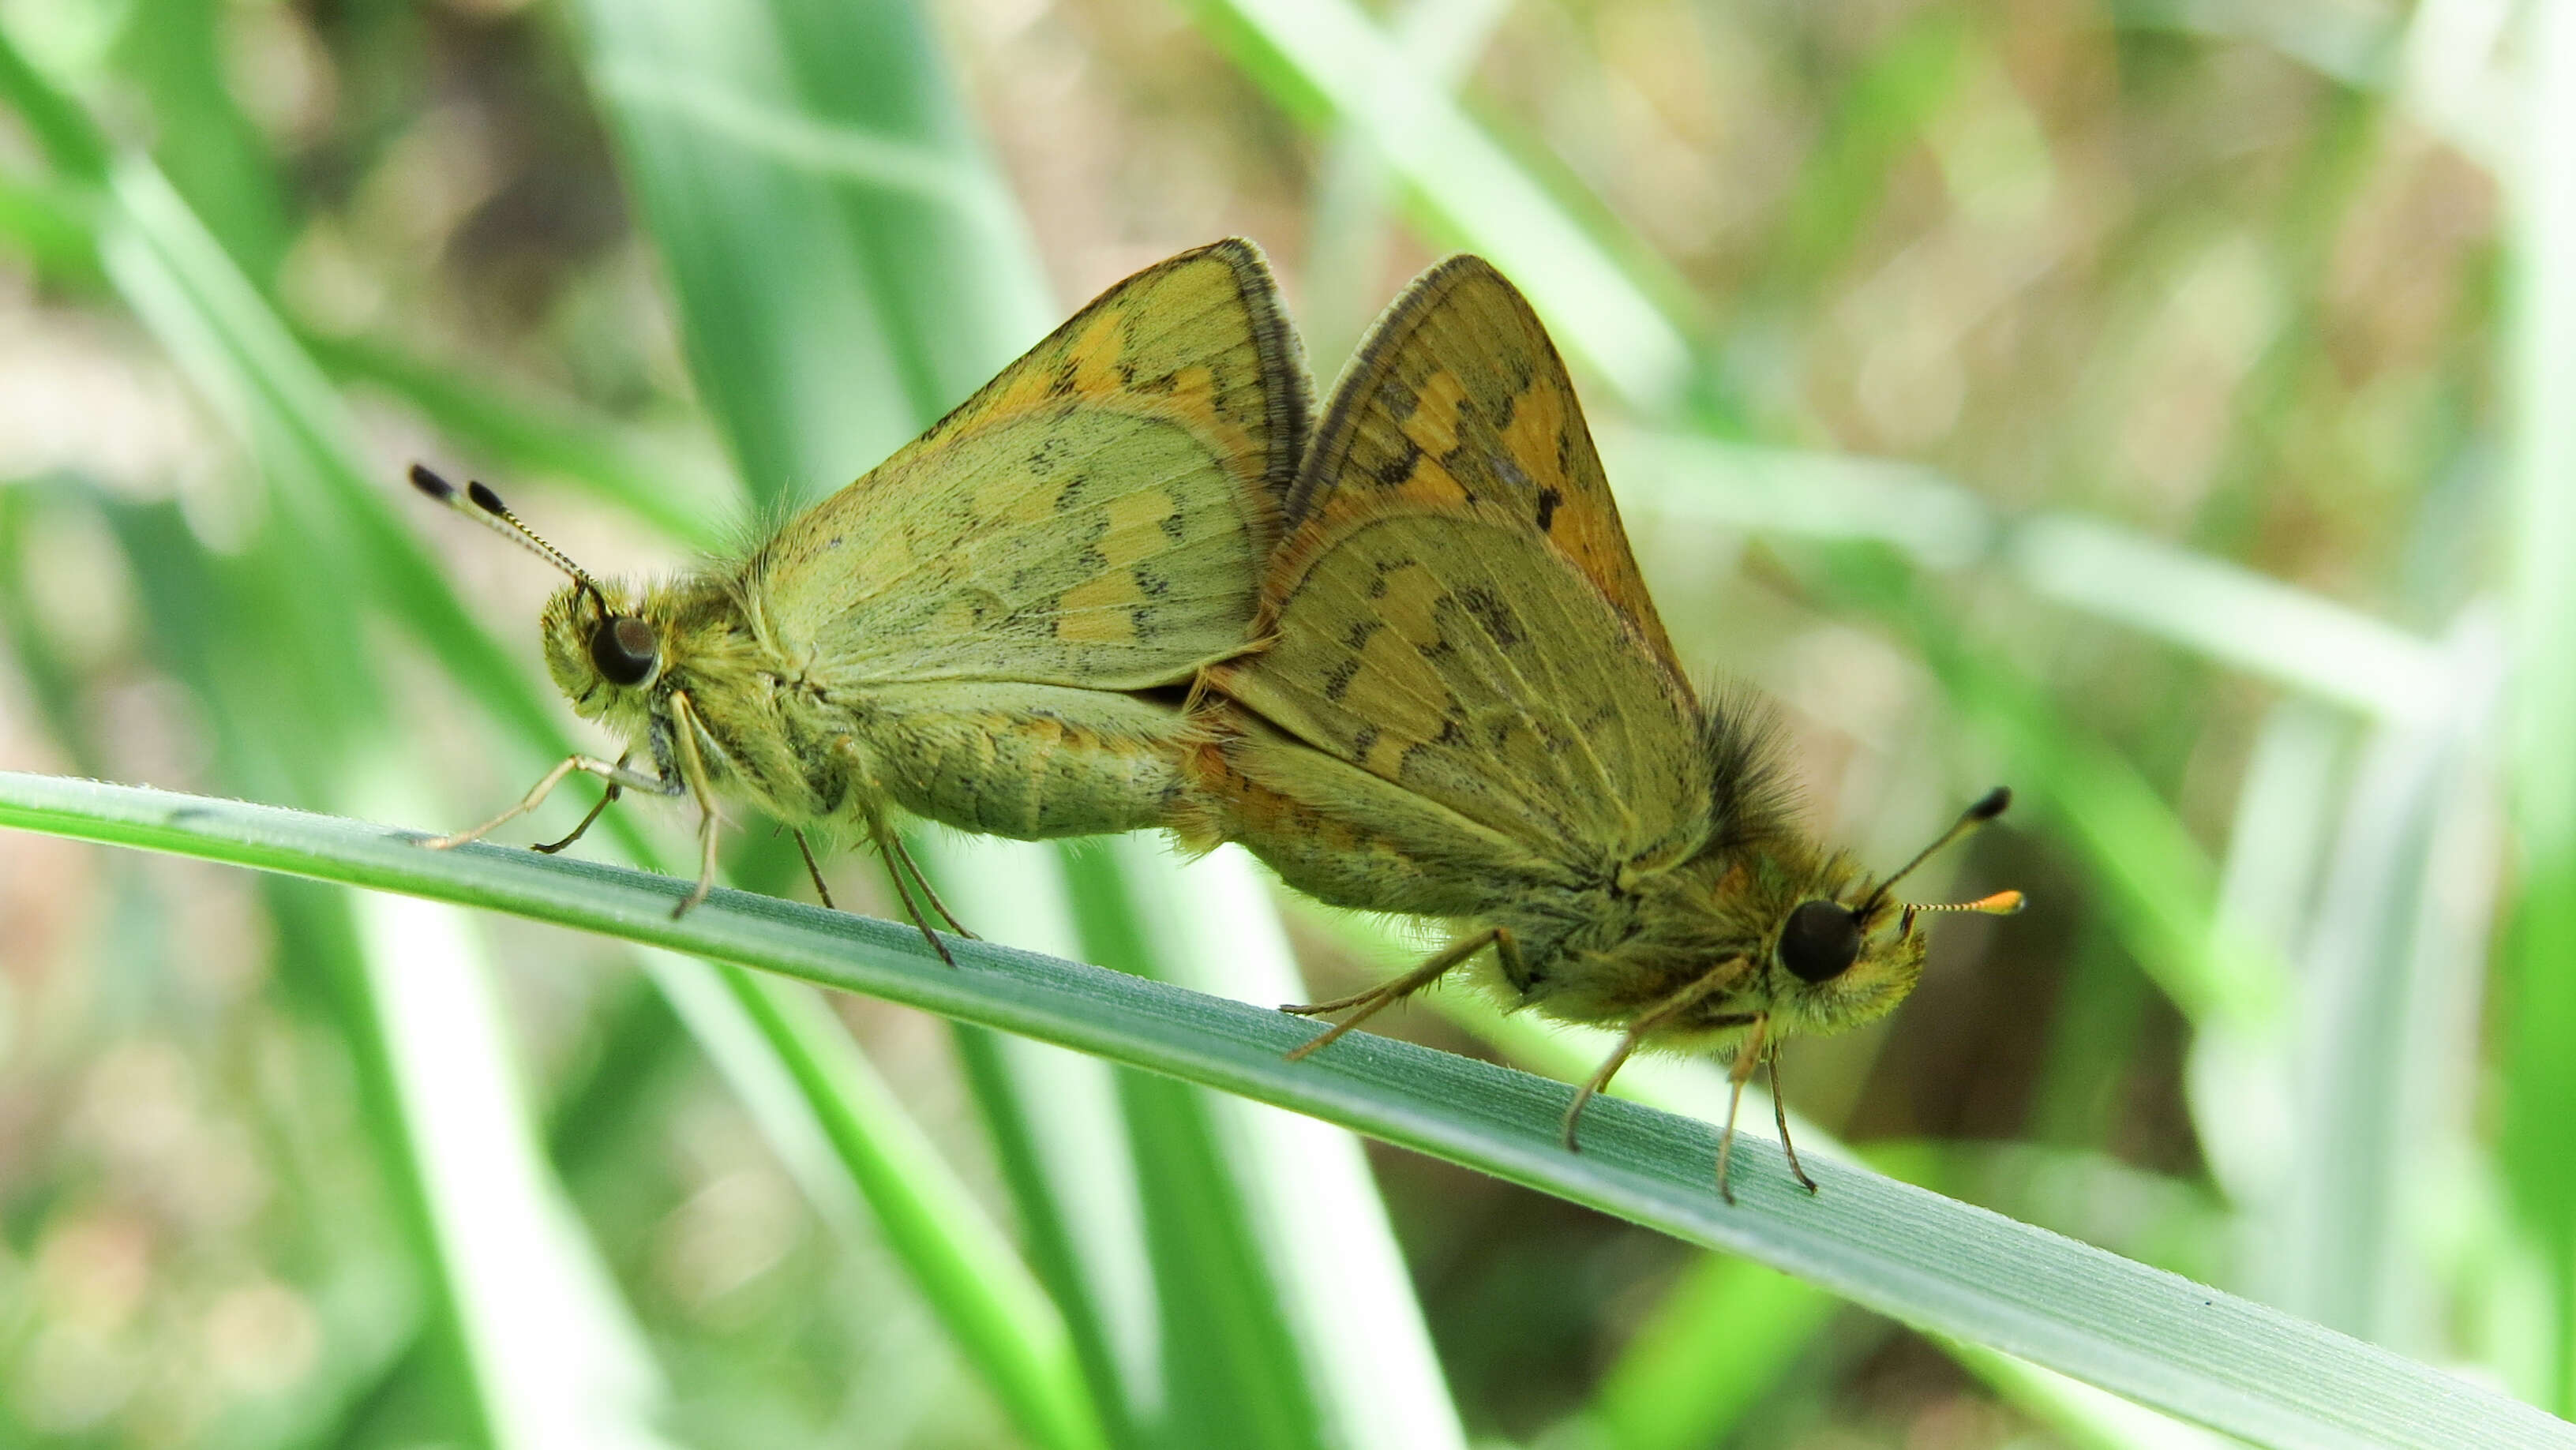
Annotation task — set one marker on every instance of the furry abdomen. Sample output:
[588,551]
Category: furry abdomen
[1032,762]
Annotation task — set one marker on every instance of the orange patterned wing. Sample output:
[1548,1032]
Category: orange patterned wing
[1455,610]
[1457,398]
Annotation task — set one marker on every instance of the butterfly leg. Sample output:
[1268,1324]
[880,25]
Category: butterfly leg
[614,772]
[1600,1079]
[1377,999]
[1780,1115]
[921,883]
[694,771]
[1647,1021]
[891,851]
[1745,1058]
[607,798]
[815,872]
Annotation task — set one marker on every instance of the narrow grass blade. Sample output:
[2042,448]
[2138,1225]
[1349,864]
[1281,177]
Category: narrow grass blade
[1725,1335]
[829,230]
[1338,1318]
[1346,237]
[560,1362]
[1329,60]
[1941,1266]
[1061,1141]
[973,1281]
[2540,1067]
[223,334]
[691,504]
[2212,607]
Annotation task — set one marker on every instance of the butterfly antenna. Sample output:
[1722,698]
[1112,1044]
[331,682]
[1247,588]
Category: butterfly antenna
[1988,806]
[484,506]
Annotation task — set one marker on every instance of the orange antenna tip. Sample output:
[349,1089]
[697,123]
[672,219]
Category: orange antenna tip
[2002,903]
[1988,806]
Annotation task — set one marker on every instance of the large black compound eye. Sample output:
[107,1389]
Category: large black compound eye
[1821,941]
[624,649]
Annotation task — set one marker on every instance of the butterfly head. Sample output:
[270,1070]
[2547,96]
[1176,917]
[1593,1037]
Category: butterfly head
[1845,952]
[602,649]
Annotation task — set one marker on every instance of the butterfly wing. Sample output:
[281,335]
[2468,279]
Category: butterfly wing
[1094,517]
[1456,612]
[1457,399]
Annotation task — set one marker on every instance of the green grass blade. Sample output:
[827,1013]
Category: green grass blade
[2210,606]
[1349,1338]
[1328,60]
[1941,1266]
[554,1351]
[2387,1013]
[1345,262]
[2540,1070]
[223,334]
[830,233]
[967,1270]
[1725,1335]
[692,505]
[816,194]
[1060,1139]
[484,1209]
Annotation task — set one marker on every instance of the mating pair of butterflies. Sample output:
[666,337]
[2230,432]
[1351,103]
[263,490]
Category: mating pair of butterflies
[1408,662]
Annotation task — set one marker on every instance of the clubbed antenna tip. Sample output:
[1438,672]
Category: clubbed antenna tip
[1988,806]
[488,510]
[431,484]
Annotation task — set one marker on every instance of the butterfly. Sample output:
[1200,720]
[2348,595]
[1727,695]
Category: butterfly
[993,628]
[1466,707]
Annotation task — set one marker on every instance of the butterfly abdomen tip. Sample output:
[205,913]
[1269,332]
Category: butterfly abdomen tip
[431,484]
[486,500]
[1992,805]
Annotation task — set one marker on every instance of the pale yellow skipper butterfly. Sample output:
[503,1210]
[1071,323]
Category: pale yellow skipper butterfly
[991,629]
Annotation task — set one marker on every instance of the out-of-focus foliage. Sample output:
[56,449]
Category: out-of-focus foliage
[2149,405]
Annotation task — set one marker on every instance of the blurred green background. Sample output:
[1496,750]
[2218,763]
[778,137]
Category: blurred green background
[2156,407]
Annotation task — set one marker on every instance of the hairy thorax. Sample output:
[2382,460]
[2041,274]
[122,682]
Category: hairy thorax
[1617,951]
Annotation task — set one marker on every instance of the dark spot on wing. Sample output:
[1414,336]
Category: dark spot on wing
[1063,384]
[1385,567]
[1396,470]
[1488,610]
[1337,680]
[1360,634]
[1363,741]
[1548,499]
